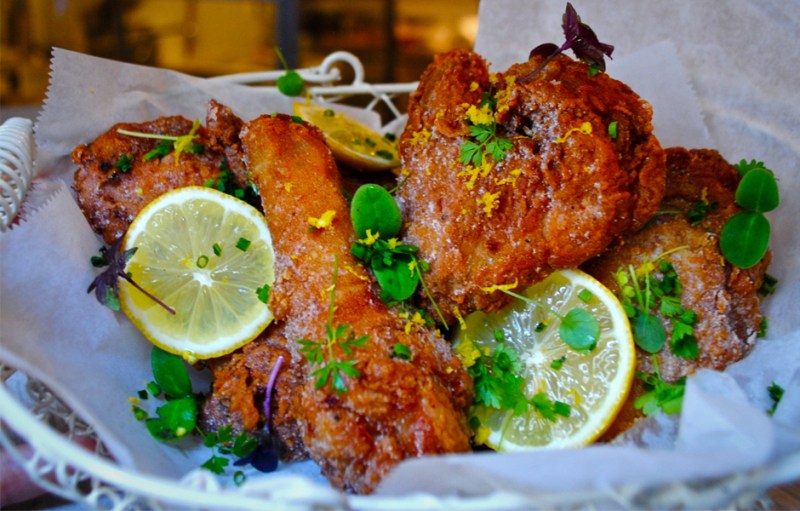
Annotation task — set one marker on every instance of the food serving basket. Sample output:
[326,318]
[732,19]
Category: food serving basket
[43,434]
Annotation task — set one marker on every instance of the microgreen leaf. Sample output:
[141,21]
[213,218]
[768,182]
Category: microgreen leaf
[663,395]
[290,84]
[758,191]
[648,332]
[169,372]
[776,394]
[374,209]
[745,238]
[175,420]
[579,329]
[580,38]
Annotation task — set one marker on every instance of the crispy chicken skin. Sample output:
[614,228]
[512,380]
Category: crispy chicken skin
[395,409]
[110,197]
[564,191]
[724,297]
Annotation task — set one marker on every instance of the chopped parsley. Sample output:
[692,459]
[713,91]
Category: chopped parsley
[662,395]
[776,394]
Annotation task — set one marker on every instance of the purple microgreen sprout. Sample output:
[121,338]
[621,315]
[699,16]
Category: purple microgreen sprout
[264,457]
[106,284]
[580,38]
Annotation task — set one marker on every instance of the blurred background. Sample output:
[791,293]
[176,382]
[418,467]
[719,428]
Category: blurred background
[395,39]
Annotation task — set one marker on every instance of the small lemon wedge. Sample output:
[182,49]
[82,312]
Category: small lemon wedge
[593,383]
[351,142]
[206,255]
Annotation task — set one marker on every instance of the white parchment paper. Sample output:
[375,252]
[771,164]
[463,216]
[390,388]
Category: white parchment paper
[709,88]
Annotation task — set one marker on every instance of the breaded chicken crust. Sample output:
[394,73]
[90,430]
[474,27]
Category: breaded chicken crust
[725,297]
[395,408]
[111,196]
[563,192]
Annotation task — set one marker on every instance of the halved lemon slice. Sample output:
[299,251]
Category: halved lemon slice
[594,383]
[206,255]
[351,142]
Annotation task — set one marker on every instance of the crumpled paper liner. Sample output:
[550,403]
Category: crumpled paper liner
[96,360]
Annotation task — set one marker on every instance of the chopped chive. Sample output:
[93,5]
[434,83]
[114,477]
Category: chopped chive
[202,261]
[402,351]
[540,327]
[263,293]
[558,363]
[217,249]
[612,130]
[499,335]
[585,295]
[243,244]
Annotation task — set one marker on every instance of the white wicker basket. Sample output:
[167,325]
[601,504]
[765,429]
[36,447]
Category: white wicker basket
[33,414]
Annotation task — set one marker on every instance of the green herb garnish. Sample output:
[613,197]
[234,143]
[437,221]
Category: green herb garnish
[402,352]
[664,396]
[579,329]
[169,143]
[776,394]
[321,353]
[485,142]
[641,293]
[263,293]
[124,163]
[291,83]
[745,237]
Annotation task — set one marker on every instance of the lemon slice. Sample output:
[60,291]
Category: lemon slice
[594,383]
[351,142]
[205,254]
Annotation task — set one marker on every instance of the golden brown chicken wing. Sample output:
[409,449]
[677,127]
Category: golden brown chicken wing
[508,178]
[116,178]
[724,297]
[389,408]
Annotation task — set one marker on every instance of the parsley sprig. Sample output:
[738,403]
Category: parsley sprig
[662,395]
[321,354]
[483,131]
[498,384]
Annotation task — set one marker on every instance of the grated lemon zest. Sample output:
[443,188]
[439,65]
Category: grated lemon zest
[489,202]
[324,221]
[585,128]
[467,353]
[501,287]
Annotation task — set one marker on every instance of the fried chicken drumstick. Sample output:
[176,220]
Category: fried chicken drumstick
[563,190]
[393,409]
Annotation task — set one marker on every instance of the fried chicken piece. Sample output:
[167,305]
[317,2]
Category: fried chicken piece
[393,409]
[563,191]
[111,195]
[724,296]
